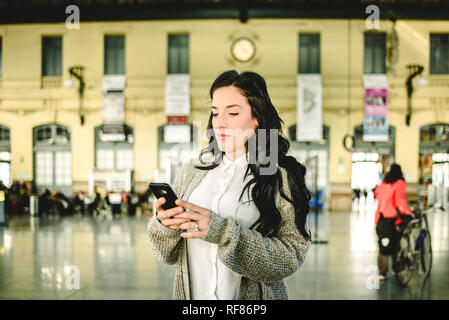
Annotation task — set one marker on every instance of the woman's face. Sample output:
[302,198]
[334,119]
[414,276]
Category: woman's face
[232,120]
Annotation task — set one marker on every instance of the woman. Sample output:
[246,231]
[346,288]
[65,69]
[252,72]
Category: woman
[246,230]
[391,203]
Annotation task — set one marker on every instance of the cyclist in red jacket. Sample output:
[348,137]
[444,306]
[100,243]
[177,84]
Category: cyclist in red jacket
[391,203]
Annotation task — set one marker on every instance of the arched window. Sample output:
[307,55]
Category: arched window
[114,149]
[5,156]
[53,157]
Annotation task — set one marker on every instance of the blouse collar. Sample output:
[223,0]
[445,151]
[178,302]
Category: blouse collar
[239,162]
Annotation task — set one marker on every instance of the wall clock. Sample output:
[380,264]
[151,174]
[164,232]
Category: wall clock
[243,49]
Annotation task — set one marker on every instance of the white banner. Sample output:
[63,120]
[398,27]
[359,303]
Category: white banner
[113,108]
[113,99]
[309,106]
[177,133]
[114,83]
[177,95]
[375,81]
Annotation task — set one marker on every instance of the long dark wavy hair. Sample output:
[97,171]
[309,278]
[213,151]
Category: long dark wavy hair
[254,88]
[394,174]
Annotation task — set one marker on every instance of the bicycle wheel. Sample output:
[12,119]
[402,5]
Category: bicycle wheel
[404,263]
[426,253]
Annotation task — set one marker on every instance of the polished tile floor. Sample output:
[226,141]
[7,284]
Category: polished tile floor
[110,258]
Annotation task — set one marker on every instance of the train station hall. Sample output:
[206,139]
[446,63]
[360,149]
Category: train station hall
[224,150]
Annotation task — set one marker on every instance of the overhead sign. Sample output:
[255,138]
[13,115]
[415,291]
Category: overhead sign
[375,124]
[177,133]
[309,106]
[113,83]
[177,95]
[113,108]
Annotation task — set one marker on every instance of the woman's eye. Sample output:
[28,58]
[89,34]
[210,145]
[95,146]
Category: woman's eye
[214,114]
[234,114]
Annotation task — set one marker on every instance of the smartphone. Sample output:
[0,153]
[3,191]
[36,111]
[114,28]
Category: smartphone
[164,190]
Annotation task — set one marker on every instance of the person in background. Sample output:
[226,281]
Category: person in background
[61,202]
[44,202]
[391,204]
[14,195]
[78,203]
[133,201]
[7,202]
[93,206]
[24,198]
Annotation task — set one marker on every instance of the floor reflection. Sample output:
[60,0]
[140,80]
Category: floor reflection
[40,258]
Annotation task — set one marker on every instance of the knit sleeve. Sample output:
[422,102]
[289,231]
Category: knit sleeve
[257,257]
[166,242]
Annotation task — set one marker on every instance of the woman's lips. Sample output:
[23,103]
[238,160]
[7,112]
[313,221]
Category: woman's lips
[223,136]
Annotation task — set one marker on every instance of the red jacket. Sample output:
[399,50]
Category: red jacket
[389,197]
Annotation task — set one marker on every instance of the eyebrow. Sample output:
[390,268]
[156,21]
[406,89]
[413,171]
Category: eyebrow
[229,106]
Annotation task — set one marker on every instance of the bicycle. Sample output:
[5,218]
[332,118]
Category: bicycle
[415,249]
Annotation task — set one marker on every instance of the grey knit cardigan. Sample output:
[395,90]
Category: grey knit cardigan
[263,262]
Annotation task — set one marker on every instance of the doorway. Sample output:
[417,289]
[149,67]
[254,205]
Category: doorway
[370,162]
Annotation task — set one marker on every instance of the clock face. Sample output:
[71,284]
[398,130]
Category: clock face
[243,49]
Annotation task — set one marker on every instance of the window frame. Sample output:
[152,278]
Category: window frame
[56,147]
[434,51]
[303,46]
[45,50]
[175,51]
[369,48]
[114,147]
[107,45]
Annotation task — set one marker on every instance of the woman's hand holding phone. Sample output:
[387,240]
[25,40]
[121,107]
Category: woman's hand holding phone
[168,217]
[177,218]
[197,217]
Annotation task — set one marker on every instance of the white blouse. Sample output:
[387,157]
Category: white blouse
[219,191]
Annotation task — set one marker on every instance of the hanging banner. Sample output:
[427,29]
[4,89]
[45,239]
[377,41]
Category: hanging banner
[177,133]
[114,108]
[113,99]
[177,97]
[309,106]
[114,83]
[113,128]
[375,124]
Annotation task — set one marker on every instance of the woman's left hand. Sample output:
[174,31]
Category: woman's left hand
[200,218]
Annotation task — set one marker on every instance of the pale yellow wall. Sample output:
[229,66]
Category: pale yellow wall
[23,104]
